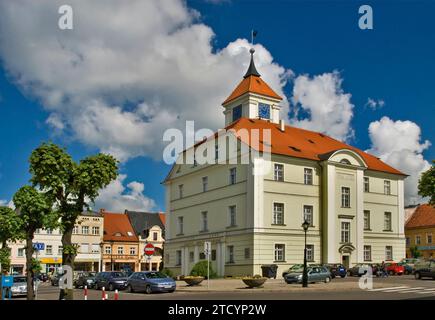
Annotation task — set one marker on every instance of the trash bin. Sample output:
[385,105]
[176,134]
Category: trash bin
[269,270]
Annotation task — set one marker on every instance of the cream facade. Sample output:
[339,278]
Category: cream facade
[153,262]
[356,213]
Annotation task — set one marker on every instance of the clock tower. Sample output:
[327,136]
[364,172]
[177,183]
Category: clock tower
[252,98]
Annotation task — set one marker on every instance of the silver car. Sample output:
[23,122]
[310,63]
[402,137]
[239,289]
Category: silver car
[315,274]
[19,287]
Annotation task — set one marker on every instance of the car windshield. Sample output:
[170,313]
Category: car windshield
[155,275]
[118,274]
[19,279]
[296,268]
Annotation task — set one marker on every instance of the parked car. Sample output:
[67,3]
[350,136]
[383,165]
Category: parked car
[315,274]
[85,279]
[111,280]
[336,269]
[42,277]
[409,269]
[359,269]
[376,269]
[425,269]
[19,286]
[293,268]
[149,282]
[394,268]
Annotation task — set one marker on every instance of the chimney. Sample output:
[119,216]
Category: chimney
[102,210]
[282,125]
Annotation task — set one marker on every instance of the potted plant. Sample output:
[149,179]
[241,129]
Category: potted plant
[255,281]
[193,280]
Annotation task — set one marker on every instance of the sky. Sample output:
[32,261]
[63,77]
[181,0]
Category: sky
[128,70]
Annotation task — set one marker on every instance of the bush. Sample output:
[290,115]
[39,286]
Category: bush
[200,269]
[167,272]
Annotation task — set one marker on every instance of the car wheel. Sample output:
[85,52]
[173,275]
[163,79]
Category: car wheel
[343,276]
[327,280]
[171,291]
[130,289]
[111,287]
[417,275]
[148,289]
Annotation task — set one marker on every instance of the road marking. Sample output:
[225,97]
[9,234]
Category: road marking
[416,289]
[391,288]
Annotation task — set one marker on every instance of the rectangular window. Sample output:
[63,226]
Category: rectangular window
[387,187]
[49,249]
[233,175]
[59,250]
[232,214]
[180,191]
[178,258]
[366,220]
[95,231]
[308,176]
[278,213]
[417,239]
[310,252]
[429,238]
[84,248]
[85,230]
[75,230]
[279,252]
[49,231]
[345,232]
[204,221]
[180,225]
[278,173]
[204,184]
[95,248]
[387,221]
[366,184]
[191,256]
[107,250]
[237,112]
[408,241]
[367,253]
[20,252]
[247,253]
[120,250]
[132,251]
[308,214]
[388,253]
[155,236]
[230,250]
[345,197]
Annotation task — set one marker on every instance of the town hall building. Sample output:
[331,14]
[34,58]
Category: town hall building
[353,201]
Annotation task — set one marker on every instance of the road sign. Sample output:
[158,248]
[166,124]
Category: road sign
[39,246]
[149,249]
[207,248]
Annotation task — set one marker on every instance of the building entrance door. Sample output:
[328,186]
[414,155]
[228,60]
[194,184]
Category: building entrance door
[345,261]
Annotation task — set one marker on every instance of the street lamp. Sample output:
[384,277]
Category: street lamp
[305,226]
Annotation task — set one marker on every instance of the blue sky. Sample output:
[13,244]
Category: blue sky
[393,63]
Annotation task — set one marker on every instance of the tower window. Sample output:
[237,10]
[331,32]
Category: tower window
[263,111]
[237,112]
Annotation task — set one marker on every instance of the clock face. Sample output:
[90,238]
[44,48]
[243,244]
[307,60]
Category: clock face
[264,111]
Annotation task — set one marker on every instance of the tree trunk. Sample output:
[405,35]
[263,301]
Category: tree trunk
[67,259]
[30,275]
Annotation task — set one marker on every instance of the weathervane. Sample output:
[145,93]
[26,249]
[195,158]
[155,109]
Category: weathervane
[253,35]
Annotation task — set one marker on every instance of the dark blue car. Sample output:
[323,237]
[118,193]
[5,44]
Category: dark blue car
[337,270]
[149,282]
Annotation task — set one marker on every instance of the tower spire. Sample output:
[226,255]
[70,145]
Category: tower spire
[252,70]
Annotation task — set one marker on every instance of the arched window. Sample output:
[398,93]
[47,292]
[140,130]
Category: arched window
[345,161]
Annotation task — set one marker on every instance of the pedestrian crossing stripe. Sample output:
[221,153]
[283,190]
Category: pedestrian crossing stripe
[391,288]
[406,289]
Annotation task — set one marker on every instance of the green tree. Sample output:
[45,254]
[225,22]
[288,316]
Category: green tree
[35,211]
[426,184]
[72,185]
[10,230]
[415,253]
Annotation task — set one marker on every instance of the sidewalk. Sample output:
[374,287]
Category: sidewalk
[272,285]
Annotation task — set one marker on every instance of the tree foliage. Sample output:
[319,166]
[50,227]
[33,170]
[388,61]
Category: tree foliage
[10,230]
[200,269]
[426,184]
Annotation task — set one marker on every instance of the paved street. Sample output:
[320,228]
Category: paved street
[391,288]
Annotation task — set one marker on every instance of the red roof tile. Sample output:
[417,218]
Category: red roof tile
[117,227]
[162,217]
[423,217]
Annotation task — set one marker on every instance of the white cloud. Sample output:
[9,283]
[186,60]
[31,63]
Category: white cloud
[374,104]
[398,143]
[328,108]
[116,83]
[6,203]
[117,198]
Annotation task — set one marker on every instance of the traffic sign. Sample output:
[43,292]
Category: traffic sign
[39,246]
[149,249]
[207,248]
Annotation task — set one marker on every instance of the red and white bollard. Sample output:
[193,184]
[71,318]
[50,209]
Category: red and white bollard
[86,292]
[116,294]
[103,294]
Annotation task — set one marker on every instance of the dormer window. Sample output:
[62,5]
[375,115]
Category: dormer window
[263,111]
[129,234]
[237,113]
[118,234]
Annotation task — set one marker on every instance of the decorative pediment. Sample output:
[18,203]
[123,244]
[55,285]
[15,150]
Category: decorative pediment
[346,248]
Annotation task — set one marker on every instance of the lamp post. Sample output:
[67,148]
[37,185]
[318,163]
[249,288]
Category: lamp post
[101,256]
[305,226]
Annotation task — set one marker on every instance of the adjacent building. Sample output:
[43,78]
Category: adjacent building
[420,230]
[352,200]
[120,243]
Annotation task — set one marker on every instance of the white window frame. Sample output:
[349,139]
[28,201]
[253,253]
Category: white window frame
[388,221]
[345,197]
[95,230]
[310,252]
[389,253]
[233,176]
[309,214]
[132,251]
[20,252]
[367,253]
[417,239]
[49,250]
[85,228]
[387,187]
[232,215]
[204,184]
[204,221]
[427,238]
[345,233]
[120,250]
[230,250]
[180,191]
[278,172]
[366,184]
[178,258]
[276,214]
[279,249]
[308,176]
[367,221]
[107,250]
[180,225]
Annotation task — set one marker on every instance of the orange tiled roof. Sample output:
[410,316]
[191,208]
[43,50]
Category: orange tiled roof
[253,84]
[301,143]
[118,223]
[162,217]
[423,217]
